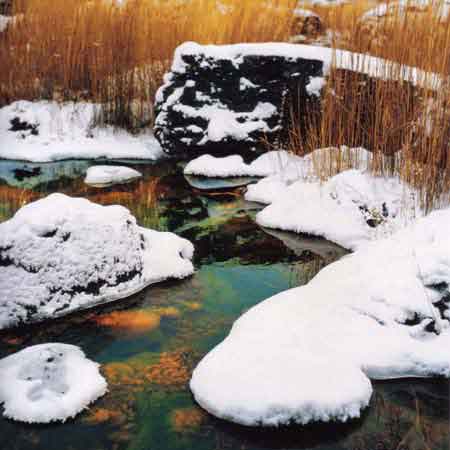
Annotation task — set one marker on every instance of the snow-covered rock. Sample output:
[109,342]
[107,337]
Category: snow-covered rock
[307,354]
[47,131]
[349,208]
[62,254]
[107,175]
[220,99]
[234,166]
[48,382]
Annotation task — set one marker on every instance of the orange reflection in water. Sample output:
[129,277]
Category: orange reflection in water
[135,320]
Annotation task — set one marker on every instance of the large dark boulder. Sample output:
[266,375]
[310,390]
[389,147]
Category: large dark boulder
[234,99]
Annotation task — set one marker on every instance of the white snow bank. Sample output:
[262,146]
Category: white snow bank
[350,208]
[48,382]
[441,9]
[307,354]
[312,167]
[48,131]
[106,175]
[341,59]
[62,254]
[234,166]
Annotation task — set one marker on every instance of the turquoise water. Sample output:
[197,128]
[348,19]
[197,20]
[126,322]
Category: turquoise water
[149,344]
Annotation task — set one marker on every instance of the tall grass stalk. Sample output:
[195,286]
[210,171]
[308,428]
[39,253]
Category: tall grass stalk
[406,127]
[115,53]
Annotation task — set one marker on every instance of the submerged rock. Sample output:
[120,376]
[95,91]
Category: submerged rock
[48,382]
[62,254]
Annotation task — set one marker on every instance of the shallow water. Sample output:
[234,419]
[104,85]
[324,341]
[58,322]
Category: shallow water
[149,344]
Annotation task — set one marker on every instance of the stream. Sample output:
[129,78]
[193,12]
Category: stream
[149,344]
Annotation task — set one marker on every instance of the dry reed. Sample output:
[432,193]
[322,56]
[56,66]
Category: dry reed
[116,54]
[406,127]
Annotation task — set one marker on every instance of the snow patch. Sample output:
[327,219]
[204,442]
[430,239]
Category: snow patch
[48,382]
[106,175]
[234,166]
[46,131]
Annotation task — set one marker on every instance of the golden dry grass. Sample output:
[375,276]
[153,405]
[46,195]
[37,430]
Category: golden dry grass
[117,55]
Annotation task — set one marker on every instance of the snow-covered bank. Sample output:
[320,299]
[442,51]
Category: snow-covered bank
[349,208]
[234,166]
[307,354]
[47,131]
[397,9]
[48,382]
[62,254]
[107,175]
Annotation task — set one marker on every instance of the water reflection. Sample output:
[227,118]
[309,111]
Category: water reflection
[149,344]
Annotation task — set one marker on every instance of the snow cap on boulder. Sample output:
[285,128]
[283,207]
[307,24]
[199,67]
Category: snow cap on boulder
[61,254]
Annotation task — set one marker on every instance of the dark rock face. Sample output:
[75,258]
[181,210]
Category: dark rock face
[5,7]
[237,103]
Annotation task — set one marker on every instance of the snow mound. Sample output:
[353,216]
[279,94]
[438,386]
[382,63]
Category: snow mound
[47,131]
[106,175]
[48,382]
[62,254]
[307,354]
[234,166]
[350,208]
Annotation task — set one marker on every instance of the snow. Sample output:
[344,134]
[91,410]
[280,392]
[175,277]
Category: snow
[301,12]
[62,254]
[106,175]
[234,166]
[48,382]
[66,131]
[222,123]
[349,208]
[4,22]
[341,59]
[442,9]
[307,354]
